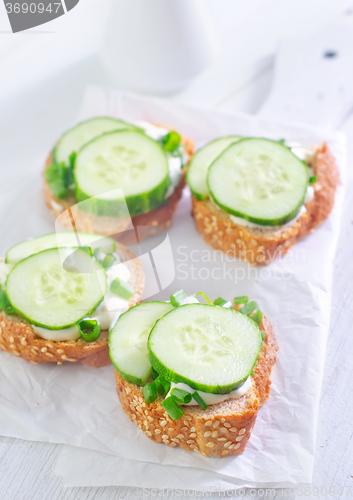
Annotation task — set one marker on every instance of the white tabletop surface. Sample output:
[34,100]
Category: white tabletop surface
[42,77]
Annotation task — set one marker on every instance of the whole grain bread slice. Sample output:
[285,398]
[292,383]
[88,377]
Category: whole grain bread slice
[160,217]
[261,246]
[18,338]
[220,430]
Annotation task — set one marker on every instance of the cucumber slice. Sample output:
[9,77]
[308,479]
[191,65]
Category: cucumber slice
[196,175]
[61,239]
[209,348]
[259,180]
[128,340]
[44,292]
[73,140]
[125,159]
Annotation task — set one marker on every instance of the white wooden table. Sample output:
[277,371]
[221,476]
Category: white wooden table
[38,83]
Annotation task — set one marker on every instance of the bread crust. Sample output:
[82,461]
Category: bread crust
[261,246]
[17,336]
[160,217]
[220,430]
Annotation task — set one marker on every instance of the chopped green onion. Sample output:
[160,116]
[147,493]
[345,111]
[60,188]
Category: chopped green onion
[162,385]
[196,396]
[249,308]
[121,288]
[223,303]
[172,408]
[257,317]
[97,253]
[177,297]
[52,173]
[149,392]
[252,373]
[313,179]
[240,300]
[181,396]
[108,261]
[59,189]
[282,141]
[204,296]
[72,159]
[171,141]
[154,374]
[89,330]
[263,335]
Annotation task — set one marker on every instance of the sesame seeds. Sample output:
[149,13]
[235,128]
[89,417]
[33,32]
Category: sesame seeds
[11,340]
[193,435]
[72,360]
[61,351]
[64,357]
[221,439]
[239,438]
[223,430]
[214,434]
[233,429]
[157,431]
[162,423]
[207,434]
[23,341]
[210,445]
[216,424]
[148,433]
[236,446]
[44,349]
[190,441]
[227,444]
[227,425]
[49,354]
[241,432]
[209,423]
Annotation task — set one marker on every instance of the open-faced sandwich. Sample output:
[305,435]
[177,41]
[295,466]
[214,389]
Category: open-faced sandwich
[60,293]
[254,197]
[194,375]
[97,158]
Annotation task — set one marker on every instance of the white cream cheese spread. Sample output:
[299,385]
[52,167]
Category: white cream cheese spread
[214,399]
[174,162]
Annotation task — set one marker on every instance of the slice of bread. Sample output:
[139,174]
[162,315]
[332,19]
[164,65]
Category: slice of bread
[18,338]
[220,430]
[160,217]
[261,246]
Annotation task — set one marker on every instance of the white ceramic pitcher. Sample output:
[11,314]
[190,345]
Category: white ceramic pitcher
[157,46]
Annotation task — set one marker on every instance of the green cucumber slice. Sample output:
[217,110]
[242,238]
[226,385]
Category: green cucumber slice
[60,239]
[209,348]
[128,340]
[73,140]
[44,292]
[259,180]
[125,159]
[196,175]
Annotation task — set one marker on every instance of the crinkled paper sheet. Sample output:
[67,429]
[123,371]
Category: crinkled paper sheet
[78,405]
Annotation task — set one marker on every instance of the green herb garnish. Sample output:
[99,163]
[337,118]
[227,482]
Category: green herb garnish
[171,141]
[149,392]
[172,408]
[240,300]
[196,396]
[204,296]
[89,330]
[313,179]
[121,288]
[162,385]
[108,261]
[223,303]
[177,297]
[181,396]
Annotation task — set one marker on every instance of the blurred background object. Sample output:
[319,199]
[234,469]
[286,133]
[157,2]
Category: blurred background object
[157,46]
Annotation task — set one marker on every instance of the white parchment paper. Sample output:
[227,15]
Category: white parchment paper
[79,406]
